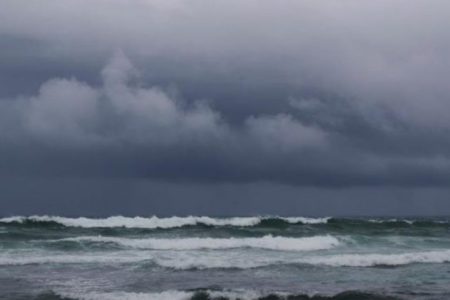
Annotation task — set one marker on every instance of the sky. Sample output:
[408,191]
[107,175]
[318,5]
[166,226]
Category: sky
[224,107]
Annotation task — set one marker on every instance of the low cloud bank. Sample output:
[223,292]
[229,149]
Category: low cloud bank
[123,128]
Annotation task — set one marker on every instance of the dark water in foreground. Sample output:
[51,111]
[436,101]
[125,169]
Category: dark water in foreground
[224,258]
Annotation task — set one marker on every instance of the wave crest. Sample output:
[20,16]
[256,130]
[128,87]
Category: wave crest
[268,242]
[156,222]
[186,261]
[373,260]
[222,295]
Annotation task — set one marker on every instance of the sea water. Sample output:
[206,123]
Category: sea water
[51,257]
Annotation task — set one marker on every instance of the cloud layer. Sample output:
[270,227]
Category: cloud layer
[299,92]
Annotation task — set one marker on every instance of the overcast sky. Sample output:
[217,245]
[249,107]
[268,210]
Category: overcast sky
[224,107]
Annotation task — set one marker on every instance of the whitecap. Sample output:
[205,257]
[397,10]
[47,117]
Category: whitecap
[168,295]
[156,222]
[268,242]
[36,258]
[371,260]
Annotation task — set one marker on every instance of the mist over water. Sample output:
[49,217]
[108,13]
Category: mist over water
[200,257]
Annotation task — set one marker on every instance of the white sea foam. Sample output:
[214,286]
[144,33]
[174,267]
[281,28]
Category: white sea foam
[343,260]
[183,260]
[165,295]
[156,222]
[266,242]
[305,220]
[31,258]
[381,221]
[138,222]
[370,260]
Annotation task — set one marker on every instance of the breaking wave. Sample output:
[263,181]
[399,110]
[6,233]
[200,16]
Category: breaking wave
[186,261]
[69,259]
[373,260]
[205,294]
[268,242]
[156,222]
[347,260]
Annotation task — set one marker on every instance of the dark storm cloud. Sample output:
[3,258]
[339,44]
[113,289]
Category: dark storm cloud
[299,92]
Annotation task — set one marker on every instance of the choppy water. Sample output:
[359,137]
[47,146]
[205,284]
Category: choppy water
[45,257]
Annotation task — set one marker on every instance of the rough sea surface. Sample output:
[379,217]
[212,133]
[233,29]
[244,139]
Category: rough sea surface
[49,257]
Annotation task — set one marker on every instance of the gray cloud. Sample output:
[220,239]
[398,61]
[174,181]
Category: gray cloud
[299,92]
[144,125]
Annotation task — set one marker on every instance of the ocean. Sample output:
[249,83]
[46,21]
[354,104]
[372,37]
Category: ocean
[51,257]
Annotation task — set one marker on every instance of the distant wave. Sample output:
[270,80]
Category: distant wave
[266,242]
[213,294]
[156,222]
[244,222]
[372,260]
[342,260]
[165,295]
[69,259]
[186,261]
